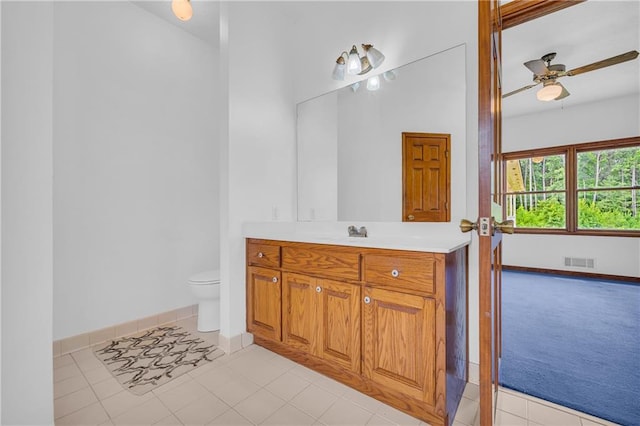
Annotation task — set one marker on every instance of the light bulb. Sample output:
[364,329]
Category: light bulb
[373,83]
[182,9]
[353,64]
[339,69]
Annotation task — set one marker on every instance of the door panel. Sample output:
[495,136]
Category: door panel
[339,308]
[399,342]
[264,302]
[298,307]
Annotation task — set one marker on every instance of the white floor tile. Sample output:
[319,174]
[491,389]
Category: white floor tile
[147,413]
[92,414]
[396,416]
[345,412]
[467,411]
[234,391]
[314,400]
[231,418]
[202,411]
[70,385]
[288,415]
[124,401]
[181,396]
[507,419]
[513,404]
[548,416]
[287,386]
[73,402]
[259,406]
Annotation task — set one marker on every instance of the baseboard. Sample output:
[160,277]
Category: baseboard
[609,277]
[85,340]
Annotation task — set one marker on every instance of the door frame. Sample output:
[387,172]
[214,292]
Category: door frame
[492,19]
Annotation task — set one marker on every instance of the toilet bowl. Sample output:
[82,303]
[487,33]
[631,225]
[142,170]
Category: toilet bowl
[205,286]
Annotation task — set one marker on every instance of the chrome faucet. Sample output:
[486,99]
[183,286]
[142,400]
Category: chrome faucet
[355,232]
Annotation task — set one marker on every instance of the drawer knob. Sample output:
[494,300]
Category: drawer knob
[367,300]
[260,255]
[395,273]
[318,289]
[274,279]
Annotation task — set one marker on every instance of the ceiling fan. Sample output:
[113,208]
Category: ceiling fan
[547,74]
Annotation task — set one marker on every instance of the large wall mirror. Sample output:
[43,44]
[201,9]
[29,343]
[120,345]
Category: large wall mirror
[350,140]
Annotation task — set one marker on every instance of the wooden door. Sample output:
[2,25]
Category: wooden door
[399,342]
[492,19]
[298,311]
[339,315]
[426,178]
[264,302]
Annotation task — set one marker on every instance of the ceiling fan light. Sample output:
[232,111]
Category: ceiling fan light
[549,92]
[182,9]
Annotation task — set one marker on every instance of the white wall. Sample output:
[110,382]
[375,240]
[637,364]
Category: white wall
[135,164]
[610,119]
[259,182]
[27,258]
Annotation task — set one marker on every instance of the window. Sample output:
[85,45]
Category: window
[584,189]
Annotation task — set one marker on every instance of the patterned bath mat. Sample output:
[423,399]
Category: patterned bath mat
[149,359]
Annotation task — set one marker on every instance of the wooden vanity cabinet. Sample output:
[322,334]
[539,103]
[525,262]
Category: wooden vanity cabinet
[389,323]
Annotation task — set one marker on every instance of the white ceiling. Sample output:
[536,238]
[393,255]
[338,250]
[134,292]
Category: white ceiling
[580,35]
[205,21]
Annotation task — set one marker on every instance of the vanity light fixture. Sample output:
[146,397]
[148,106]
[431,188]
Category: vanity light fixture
[351,63]
[549,92]
[182,9]
[373,83]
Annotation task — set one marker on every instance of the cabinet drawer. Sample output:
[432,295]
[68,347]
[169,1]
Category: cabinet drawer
[323,261]
[415,271]
[263,255]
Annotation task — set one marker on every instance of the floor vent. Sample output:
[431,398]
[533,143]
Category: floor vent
[579,262]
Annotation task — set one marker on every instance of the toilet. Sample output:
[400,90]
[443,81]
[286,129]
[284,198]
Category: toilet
[205,286]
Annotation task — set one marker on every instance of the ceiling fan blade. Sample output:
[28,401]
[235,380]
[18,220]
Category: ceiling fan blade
[522,89]
[632,54]
[562,94]
[537,66]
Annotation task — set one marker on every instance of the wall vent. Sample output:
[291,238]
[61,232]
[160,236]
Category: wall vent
[580,262]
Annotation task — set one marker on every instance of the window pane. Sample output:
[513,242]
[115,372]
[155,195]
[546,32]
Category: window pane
[537,210]
[609,168]
[608,209]
[544,173]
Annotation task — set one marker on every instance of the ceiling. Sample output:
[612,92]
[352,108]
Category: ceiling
[582,34]
[205,21]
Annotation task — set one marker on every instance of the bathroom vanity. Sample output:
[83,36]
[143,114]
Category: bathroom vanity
[389,322]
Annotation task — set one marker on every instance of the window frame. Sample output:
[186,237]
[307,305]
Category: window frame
[571,185]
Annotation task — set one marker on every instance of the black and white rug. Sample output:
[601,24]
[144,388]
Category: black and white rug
[151,358]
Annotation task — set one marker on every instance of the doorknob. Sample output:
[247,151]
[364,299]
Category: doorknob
[467,226]
[505,227]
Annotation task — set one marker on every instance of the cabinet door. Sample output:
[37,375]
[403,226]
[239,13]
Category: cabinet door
[264,302]
[298,311]
[339,316]
[399,342]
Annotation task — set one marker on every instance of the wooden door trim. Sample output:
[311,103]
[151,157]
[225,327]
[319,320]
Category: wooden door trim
[520,11]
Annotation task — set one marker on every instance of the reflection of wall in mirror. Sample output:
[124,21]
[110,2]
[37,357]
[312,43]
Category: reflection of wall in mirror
[318,159]
[427,96]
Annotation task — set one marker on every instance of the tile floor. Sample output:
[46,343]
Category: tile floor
[257,387]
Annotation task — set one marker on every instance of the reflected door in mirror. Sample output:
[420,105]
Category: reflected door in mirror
[426,177]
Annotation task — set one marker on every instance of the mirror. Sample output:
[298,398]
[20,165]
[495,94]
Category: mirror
[350,140]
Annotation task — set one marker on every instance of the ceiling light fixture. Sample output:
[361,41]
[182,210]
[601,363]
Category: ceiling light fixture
[182,9]
[550,91]
[351,63]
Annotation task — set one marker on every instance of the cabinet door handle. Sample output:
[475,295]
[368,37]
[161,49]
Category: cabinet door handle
[395,273]
[260,255]
[274,279]
[411,217]
[318,289]
[367,300]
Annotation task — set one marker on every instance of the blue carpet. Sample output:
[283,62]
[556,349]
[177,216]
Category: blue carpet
[575,342]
